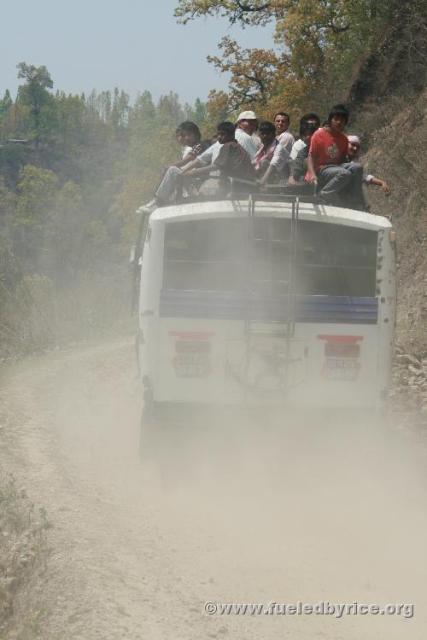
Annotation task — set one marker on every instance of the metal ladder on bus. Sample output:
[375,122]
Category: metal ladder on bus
[285,328]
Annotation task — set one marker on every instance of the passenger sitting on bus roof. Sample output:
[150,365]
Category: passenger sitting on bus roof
[246,126]
[282,122]
[179,134]
[340,182]
[310,118]
[171,185]
[181,139]
[204,182]
[193,143]
[232,161]
[272,159]
[205,159]
[299,164]
[353,153]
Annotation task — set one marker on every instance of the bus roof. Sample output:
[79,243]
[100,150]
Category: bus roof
[264,208]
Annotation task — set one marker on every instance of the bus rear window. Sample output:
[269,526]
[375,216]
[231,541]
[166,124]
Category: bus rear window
[255,254]
[336,260]
[205,254]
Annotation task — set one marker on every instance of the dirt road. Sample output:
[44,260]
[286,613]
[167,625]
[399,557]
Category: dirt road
[331,514]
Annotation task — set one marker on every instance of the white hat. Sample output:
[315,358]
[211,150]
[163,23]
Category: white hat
[354,139]
[247,115]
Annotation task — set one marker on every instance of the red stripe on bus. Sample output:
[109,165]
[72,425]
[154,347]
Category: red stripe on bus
[340,339]
[192,335]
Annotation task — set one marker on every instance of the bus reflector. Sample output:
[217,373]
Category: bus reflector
[341,356]
[192,353]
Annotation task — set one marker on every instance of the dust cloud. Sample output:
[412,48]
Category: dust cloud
[268,509]
[305,510]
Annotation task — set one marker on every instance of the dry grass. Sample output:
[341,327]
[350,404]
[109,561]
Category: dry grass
[23,545]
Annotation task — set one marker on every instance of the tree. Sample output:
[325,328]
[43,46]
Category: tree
[245,12]
[36,196]
[254,72]
[318,45]
[218,107]
[197,113]
[65,237]
[170,109]
[7,209]
[5,103]
[120,109]
[34,94]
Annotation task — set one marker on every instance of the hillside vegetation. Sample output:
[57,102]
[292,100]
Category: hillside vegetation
[73,169]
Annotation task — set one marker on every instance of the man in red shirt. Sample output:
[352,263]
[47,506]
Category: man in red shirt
[340,182]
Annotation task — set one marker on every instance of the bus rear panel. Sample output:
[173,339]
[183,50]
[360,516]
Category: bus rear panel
[248,311]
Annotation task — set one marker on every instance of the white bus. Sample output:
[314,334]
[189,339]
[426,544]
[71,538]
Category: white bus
[265,301]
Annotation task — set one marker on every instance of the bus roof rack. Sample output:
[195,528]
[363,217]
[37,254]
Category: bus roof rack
[275,193]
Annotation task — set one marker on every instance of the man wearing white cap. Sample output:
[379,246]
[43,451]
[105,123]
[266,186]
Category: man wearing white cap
[246,126]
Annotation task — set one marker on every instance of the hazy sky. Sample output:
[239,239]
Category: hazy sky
[132,44]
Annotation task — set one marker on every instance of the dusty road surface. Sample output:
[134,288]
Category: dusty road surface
[265,515]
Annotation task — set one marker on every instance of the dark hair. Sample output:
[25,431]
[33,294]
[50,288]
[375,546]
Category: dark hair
[282,113]
[190,127]
[267,127]
[308,127]
[339,110]
[226,127]
[304,120]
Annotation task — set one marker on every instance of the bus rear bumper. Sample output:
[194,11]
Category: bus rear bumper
[208,416]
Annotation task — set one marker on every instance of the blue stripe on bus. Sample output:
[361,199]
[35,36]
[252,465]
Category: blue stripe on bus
[239,306]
